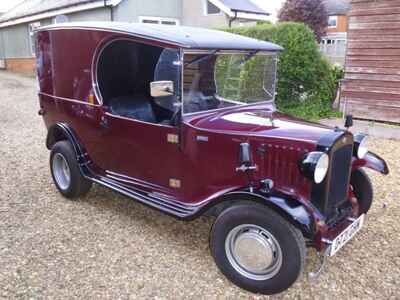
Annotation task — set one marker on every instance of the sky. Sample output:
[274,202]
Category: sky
[7,4]
[271,6]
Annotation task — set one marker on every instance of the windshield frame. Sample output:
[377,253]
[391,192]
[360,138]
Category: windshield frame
[226,52]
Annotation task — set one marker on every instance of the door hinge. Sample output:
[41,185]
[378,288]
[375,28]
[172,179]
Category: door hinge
[174,183]
[172,138]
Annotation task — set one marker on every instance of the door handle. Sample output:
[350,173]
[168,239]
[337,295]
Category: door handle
[104,122]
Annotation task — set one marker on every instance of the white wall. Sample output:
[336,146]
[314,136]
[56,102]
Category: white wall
[271,6]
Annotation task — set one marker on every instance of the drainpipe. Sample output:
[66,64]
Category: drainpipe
[3,46]
[111,10]
[232,19]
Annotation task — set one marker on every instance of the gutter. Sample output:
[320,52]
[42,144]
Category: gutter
[246,15]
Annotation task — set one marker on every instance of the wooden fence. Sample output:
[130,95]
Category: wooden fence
[371,88]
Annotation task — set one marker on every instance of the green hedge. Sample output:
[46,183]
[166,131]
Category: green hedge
[307,82]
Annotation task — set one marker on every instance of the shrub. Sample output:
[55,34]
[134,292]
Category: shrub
[309,12]
[306,81]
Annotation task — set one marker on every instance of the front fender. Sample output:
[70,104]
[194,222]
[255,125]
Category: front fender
[292,210]
[372,161]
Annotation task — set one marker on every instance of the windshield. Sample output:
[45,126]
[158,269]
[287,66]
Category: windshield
[218,80]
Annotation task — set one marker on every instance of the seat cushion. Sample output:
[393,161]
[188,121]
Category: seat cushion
[133,106]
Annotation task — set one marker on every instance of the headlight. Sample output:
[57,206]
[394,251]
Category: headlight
[315,166]
[321,168]
[360,145]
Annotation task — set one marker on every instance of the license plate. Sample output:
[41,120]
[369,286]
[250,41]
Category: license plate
[346,235]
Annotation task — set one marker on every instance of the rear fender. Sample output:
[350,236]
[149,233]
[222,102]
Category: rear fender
[372,161]
[61,131]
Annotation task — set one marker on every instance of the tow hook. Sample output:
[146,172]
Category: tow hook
[323,257]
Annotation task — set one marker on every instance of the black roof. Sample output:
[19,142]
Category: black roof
[244,6]
[182,36]
[337,7]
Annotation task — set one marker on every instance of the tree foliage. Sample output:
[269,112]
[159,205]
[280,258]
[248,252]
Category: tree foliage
[309,12]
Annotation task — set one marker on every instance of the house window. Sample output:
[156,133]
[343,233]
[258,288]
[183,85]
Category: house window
[332,21]
[60,19]
[32,41]
[210,9]
[158,20]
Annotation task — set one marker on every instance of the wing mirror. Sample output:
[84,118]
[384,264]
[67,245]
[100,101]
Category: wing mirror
[161,88]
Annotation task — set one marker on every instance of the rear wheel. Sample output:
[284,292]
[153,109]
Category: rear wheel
[257,249]
[65,171]
[362,188]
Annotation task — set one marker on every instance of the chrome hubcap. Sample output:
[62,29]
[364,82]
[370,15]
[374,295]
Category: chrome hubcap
[61,171]
[253,252]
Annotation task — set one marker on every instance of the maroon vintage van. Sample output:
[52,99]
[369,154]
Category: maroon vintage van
[183,120]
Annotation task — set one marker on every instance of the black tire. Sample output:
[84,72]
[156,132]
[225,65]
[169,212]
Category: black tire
[362,188]
[289,238]
[77,185]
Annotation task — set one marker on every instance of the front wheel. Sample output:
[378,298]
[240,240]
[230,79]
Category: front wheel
[257,249]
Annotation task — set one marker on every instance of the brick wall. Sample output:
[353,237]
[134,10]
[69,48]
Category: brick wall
[342,23]
[25,66]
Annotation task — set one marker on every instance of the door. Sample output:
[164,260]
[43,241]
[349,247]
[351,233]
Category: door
[144,155]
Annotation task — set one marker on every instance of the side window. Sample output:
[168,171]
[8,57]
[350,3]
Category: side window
[125,70]
[158,20]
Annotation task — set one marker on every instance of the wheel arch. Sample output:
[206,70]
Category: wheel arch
[61,132]
[291,210]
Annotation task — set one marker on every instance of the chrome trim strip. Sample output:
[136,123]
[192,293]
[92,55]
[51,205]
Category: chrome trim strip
[134,179]
[172,207]
[68,99]
[136,120]
[133,182]
[162,196]
[170,201]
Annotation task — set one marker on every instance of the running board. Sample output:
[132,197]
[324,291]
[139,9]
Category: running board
[172,207]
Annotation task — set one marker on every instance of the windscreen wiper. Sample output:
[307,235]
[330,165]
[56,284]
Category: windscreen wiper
[201,58]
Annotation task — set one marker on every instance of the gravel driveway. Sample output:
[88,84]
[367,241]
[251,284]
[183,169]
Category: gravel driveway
[107,246]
